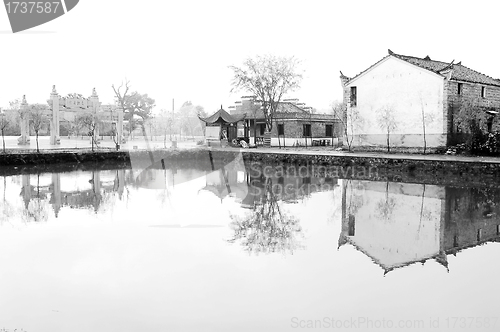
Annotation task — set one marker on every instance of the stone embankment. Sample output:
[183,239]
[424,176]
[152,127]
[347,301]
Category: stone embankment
[409,168]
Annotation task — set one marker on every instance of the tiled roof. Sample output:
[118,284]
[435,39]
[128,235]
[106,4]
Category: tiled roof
[459,73]
[222,116]
[283,107]
[306,116]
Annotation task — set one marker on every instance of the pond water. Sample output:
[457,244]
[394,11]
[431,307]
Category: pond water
[244,248]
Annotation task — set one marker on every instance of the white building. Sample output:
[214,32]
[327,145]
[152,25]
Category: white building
[412,89]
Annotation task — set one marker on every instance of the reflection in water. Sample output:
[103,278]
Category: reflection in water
[37,197]
[267,228]
[385,206]
[395,224]
[35,201]
[426,221]
[147,249]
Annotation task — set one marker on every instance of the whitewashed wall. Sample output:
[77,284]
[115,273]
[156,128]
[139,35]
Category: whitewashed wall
[407,89]
[380,229]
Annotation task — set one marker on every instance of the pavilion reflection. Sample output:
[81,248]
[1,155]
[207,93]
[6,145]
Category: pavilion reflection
[398,224]
[267,227]
[251,184]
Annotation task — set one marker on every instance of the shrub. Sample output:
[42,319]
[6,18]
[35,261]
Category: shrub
[492,144]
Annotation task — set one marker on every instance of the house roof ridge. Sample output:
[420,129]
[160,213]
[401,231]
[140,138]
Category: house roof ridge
[424,59]
[459,73]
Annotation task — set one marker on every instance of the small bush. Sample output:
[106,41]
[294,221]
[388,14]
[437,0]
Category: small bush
[492,144]
[457,149]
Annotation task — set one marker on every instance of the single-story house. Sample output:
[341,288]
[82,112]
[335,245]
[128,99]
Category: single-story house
[294,124]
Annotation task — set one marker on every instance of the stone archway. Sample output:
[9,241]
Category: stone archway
[67,108]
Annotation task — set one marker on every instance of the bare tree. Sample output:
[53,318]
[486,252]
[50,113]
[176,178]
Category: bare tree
[268,78]
[114,135]
[38,118]
[387,122]
[14,115]
[4,123]
[350,120]
[76,127]
[188,119]
[133,103]
[164,122]
[90,122]
[123,97]
[427,118]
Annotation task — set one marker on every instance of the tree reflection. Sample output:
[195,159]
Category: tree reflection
[267,229]
[385,207]
[37,209]
[356,199]
[425,213]
[6,209]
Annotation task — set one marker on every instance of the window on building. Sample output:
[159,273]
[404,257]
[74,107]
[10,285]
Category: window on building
[351,225]
[281,129]
[354,96]
[483,92]
[262,128]
[460,88]
[489,124]
[329,130]
[307,130]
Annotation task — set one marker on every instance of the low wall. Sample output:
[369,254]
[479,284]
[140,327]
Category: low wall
[400,140]
[439,172]
[301,141]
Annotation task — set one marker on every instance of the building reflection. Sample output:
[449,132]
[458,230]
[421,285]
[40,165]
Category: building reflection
[251,184]
[398,224]
[95,189]
[395,224]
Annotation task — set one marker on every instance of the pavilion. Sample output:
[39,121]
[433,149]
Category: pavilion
[223,127]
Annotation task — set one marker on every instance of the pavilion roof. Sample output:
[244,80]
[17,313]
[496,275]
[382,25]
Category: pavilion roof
[221,116]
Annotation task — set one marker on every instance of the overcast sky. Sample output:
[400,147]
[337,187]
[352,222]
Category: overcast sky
[182,49]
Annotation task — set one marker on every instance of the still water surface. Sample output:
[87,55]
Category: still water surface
[241,249]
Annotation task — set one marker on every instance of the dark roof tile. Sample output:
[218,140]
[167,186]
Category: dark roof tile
[459,73]
[222,116]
